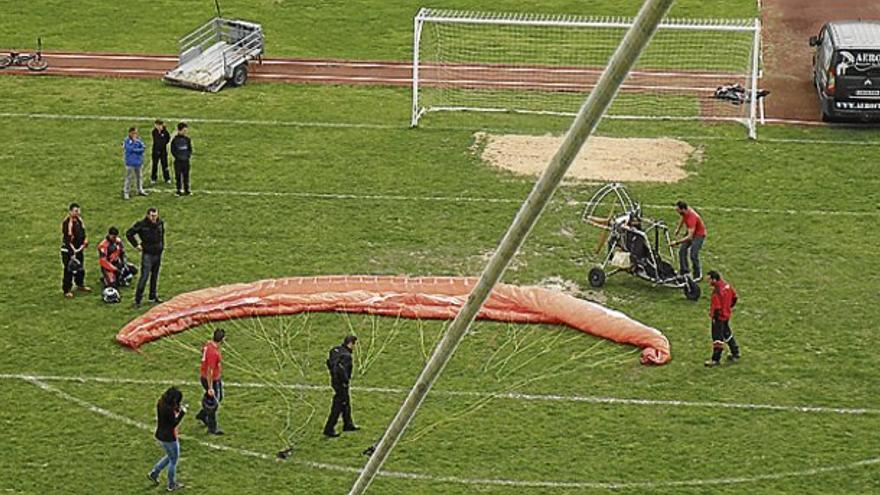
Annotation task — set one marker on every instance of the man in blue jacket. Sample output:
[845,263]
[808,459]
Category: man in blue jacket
[133,153]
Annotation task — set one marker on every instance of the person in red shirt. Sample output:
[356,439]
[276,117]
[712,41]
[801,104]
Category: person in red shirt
[720,311]
[212,382]
[692,242]
[111,257]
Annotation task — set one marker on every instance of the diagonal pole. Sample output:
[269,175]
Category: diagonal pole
[638,36]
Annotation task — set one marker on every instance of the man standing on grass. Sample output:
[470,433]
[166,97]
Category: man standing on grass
[340,366]
[210,377]
[692,242]
[720,311]
[161,138]
[73,242]
[151,230]
[181,149]
[133,155]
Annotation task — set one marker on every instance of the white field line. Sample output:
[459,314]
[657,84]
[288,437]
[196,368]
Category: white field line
[454,393]
[461,480]
[356,125]
[469,199]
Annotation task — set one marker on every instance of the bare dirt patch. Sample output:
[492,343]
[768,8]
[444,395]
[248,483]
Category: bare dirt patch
[604,159]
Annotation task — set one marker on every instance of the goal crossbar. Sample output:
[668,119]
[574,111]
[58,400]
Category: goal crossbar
[543,64]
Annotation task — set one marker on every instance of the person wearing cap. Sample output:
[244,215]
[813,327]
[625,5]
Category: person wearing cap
[720,311]
[692,242]
[181,149]
[340,366]
[161,138]
[210,377]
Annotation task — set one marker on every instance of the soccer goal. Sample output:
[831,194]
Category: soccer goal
[543,64]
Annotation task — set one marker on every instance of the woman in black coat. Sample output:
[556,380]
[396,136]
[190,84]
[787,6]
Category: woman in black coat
[169,413]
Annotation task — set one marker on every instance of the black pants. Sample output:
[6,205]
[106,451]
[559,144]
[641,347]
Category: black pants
[721,334]
[341,406]
[69,278]
[160,156]
[150,264]
[210,417]
[181,175]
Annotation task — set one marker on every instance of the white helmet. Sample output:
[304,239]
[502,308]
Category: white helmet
[110,295]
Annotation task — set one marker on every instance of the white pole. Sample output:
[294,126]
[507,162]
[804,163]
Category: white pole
[649,17]
[753,104]
[417,39]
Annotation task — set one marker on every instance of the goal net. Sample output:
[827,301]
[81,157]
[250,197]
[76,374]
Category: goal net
[544,64]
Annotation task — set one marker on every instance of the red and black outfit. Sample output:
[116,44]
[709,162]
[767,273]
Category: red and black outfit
[111,257]
[73,242]
[720,310]
[211,359]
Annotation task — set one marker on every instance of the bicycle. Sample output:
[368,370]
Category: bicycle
[33,61]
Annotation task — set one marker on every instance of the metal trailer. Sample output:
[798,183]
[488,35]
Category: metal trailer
[217,53]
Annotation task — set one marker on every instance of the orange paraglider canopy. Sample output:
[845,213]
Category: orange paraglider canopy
[423,297]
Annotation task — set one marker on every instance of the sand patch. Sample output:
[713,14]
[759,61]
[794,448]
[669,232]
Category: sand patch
[606,159]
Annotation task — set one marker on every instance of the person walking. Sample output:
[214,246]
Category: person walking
[340,366]
[161,138]
[181,149]
[133,155]
[210,377]
[720,310]
[692,242]
[169,414]
[151,231]
[73,242]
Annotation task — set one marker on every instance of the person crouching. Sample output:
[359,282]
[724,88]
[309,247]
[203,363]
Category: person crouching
[115,271]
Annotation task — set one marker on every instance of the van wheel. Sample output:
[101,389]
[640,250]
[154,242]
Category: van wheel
[239,75]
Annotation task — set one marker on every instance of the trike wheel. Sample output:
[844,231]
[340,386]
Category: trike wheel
[692,290]
[37,64]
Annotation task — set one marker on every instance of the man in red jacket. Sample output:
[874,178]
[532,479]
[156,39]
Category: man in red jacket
[111,256]
[720,310]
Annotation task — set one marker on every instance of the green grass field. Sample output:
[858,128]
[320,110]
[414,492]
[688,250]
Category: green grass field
[304,180]
[365,29]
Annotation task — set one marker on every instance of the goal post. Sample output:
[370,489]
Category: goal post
[544,64]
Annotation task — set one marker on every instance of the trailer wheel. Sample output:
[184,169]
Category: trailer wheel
[239,75]
[597,277]
[692,290]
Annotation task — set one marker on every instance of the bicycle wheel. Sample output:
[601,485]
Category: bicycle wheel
[37,64]
[5,62]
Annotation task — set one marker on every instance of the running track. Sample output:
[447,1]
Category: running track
[385,73]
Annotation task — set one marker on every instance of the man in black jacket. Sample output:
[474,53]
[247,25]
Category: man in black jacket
[181,149]
[161,137]
[340,366]
[151,230]
[73,242]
